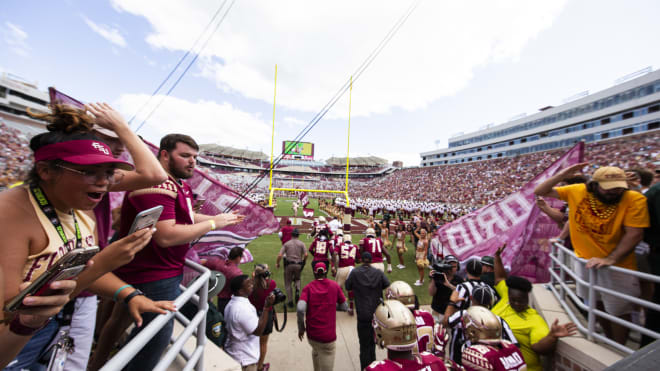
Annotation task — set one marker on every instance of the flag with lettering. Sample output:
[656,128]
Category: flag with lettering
[308,213]
[514,220]
[258,220]
[304,200]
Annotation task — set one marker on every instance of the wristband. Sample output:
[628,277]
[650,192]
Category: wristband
[20,329]
[212,222]
[130,296]
[114,297]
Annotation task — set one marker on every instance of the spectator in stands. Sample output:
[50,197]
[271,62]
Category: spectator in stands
[652,237]
[244,326]
[461,297]
[527,325]
[606,222]
[295,256]
[442,285]
[73,170]
[230,269]
[263,286]
[368,284]
[158,269]
[285,232]
[317,304]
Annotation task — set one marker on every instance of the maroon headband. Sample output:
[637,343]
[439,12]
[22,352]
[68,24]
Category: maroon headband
[80,152]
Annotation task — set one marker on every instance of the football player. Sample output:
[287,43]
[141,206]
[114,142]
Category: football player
[346,254]
[395,328]
[374,245]
[402,292]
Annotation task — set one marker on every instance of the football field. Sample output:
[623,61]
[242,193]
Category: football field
[265,249]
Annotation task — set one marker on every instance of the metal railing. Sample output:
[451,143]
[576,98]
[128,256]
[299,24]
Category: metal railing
[195,326]
[560,288]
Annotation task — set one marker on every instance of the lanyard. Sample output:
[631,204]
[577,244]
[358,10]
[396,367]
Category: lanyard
[49,212]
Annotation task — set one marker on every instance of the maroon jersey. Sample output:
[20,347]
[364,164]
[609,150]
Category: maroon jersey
[337,240]
[286,233]
[422,362]
[425,338]
[320,249]
[374,246]
[347,253]
[499,355]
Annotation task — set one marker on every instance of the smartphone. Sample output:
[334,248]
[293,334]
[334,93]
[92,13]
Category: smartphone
[146,219]
[69,266]
[199,202]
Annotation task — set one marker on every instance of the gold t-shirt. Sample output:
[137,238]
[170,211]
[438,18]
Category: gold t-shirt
[595,236]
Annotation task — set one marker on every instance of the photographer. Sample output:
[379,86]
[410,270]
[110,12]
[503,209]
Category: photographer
[443,283]
[263,286]
[461,297]
[244,326]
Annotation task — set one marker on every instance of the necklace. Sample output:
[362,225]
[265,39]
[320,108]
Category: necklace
[597,208]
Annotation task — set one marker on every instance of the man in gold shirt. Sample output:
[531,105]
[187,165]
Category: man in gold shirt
[606,222]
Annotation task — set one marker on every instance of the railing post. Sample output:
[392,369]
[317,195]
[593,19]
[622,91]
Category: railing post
[201,328]
[562,273]
[591,326]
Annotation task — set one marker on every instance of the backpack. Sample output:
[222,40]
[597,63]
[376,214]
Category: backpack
[216,328]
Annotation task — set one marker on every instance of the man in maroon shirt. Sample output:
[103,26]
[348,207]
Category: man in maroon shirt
[230,270]
[285,232]
[318,301]
[157,269]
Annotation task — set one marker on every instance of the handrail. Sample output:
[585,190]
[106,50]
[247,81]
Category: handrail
[558,271]
[196,325]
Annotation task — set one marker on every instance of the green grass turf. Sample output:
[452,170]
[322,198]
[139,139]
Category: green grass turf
[283,207]
[265,249]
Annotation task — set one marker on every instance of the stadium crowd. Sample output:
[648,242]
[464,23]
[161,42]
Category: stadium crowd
[481,318]
[15,157]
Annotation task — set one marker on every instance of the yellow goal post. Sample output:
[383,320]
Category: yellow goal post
[272,144]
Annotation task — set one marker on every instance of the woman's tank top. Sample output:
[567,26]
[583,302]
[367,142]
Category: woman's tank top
[38,263]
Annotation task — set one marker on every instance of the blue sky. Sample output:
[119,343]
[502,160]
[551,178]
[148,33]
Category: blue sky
[453,67]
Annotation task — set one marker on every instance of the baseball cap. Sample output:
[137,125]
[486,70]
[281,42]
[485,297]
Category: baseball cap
[370,232]
[488,260]
[450,258]
[609,177]
[80,152]
[320,267]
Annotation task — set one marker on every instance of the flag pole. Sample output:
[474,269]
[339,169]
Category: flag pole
[272,143]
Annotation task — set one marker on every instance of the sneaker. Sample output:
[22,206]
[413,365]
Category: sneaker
[418,283]
[350,311]
[401,266]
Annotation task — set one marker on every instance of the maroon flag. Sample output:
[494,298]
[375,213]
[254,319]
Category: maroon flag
[308,213]
[514,220]
[304,200]
[258,220]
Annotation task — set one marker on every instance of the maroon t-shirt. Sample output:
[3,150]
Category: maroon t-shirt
[322,297]
[259,295]
[153,262]
[373,246]
[286,233]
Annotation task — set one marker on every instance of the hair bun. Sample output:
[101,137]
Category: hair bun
[66,118]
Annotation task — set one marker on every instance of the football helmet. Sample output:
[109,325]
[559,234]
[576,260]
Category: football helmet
[402,292]
[481,325]
[395,327]
[340,232]
[370,232]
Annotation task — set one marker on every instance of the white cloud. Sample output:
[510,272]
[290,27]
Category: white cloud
[292,121]
[107,32]
[317,45]
[206,121]
[15,37]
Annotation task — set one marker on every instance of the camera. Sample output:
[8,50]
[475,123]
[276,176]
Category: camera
[439,271]
[264,274]
[280,297]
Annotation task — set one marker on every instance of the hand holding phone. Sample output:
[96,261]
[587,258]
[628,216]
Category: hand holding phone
[68,267]
[38,309]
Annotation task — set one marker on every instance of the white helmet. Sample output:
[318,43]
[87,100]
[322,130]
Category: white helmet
[370,232]
[402,292]
[481,325]
[322,219]
[395,327]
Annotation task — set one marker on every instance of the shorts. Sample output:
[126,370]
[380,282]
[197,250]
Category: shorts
[613,280]
[269,323]
[342,275]
[380,266]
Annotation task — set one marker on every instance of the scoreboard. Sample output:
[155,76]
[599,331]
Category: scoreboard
[292,150]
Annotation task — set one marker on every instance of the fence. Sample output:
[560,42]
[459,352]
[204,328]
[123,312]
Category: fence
[196,326]
[560,288]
